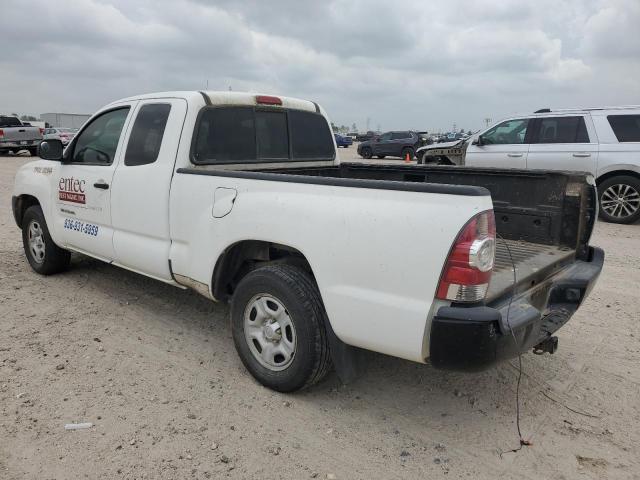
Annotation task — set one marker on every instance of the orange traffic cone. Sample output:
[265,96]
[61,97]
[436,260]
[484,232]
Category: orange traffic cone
[407,158]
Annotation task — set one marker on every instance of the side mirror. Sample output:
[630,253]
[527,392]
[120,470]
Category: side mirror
[51,150]
[478,141]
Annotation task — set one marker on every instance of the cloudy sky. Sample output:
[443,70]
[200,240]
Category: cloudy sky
[402,64]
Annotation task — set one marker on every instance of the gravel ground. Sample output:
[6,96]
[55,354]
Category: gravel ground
[154,369]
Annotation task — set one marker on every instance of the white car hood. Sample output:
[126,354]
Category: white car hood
[435,146]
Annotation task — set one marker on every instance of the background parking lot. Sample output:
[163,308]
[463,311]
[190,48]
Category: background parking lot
[154,369]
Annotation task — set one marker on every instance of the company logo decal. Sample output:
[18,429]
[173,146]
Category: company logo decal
[71,190]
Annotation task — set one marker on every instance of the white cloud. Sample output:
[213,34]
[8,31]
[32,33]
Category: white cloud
[404,64]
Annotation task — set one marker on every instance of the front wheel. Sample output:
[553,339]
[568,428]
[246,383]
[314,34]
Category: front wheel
[44,256]
[619,199]
[278,327]
[366,152]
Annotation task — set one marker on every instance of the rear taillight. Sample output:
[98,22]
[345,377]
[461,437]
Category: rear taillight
[1,133]
[268,100]
[42,131]
[467,271]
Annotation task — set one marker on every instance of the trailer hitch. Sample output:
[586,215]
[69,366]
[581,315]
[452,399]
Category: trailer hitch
[548,345]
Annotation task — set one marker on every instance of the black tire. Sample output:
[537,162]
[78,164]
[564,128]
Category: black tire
[381,156]
[33,151]
[366,152]
[410,151]
[300,297]
[420,157]
[54,259]
[625,187]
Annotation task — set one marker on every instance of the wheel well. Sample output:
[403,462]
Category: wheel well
[242,257]
[617,173]
[22,203]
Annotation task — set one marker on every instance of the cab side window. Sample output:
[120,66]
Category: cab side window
[562,130]
[400,135]
[146,135]
[506,133]
[97,143]
[386,137]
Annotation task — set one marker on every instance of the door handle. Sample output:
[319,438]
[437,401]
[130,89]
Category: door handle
[581,154]
[514,154]
[101,185]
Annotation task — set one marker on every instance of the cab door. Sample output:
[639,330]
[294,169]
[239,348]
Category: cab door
[140,199]
[504,146]
[82,199]
[383,144]
[563,143]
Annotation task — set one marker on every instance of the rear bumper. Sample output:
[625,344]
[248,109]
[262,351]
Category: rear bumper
[18,144]
[476,338]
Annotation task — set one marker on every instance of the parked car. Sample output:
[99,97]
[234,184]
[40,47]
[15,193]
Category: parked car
[15,136]
[390,144]
[65,135]
[343,140]
[602,141]
[241,198]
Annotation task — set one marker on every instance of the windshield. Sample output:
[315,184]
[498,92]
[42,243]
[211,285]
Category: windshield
[10,122]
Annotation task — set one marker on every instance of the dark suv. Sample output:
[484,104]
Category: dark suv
[392,144]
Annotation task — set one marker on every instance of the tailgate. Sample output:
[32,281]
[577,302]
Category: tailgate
[17,134]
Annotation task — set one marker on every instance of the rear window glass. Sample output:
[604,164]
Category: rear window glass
[562,130]
[146,135]
[310,136]
[625,127]
[249,135]
[226,135]
[272,135]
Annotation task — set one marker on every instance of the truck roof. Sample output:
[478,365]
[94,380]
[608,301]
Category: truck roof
[227,98]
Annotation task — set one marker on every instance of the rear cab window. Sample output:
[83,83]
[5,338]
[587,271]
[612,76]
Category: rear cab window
[245,134]
[625,127]
[9,122]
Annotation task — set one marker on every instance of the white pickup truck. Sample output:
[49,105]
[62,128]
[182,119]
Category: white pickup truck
[16,136]
[241,197]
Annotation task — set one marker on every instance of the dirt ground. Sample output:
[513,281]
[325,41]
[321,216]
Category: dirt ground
[154,369]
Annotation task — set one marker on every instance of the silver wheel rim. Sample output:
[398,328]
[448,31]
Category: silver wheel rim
[36,241]
[620,200]
[269,332]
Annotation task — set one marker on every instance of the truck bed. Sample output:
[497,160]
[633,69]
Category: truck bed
[544,219]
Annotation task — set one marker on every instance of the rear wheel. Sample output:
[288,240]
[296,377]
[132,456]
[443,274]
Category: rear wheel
[381,156]
[44,256]
[33,151]
[366,152]
[278,326]
[619,199]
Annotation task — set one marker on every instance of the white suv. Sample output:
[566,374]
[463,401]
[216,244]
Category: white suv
[602,141]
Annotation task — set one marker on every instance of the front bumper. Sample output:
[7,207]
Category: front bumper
[476,338]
